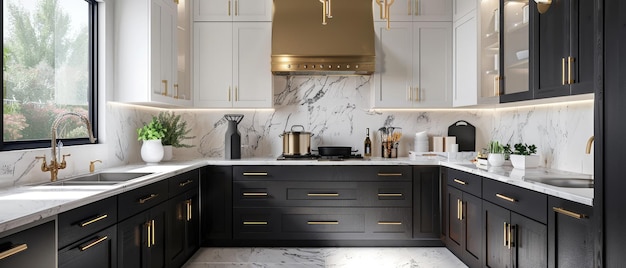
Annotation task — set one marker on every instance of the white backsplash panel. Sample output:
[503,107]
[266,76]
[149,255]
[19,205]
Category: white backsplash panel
[335,109]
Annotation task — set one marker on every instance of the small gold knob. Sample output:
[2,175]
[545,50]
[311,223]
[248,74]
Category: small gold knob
[92,165]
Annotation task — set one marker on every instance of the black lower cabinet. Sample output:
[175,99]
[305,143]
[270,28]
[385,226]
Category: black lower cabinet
[216,184]
[426,203]
[182,228]
[513,240]
[141,239]
[464,228]
[33,247]
[570,235]
[98,250]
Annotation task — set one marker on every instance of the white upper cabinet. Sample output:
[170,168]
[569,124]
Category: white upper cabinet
[231,65]
[476,49]
[233,10]
[146,49]
[415,10]
[414,65]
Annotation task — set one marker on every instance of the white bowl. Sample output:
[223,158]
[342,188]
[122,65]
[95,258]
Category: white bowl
[522,54]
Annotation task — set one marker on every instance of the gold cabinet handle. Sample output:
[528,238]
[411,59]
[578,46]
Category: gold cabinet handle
[324,10]
[322,222]
[505,235]
[254,194]
[254,223]
[409,93]
[380,174]
[417,94]
[236,7]
[417,4]
[389,223]
[153,227]
[146,199]
[183,184]
[149,233]
[510,199]
[408,8]
[255,173]
[329,9]
[460,182]
[511,236]
[459,209]
[164,93]
[236,93]
[87,222]
[563,71]
[570,61]
[12,251]
[229,94]
[496,85]
[323,195]
[569,213]
[188,204]
[93,243]
[390,195]
[228,7]
[175,91]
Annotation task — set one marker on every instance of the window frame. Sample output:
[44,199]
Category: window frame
[92,94]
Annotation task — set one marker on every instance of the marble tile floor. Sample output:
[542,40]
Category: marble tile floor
[413,257]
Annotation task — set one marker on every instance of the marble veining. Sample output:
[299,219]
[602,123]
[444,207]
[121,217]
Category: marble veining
[325,257]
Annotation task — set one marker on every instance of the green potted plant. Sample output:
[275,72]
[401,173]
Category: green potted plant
[151,134]
[496,154]
[176,132]
[524,156]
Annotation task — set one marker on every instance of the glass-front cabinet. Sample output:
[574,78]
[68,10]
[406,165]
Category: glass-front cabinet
[514,29]
[489,43]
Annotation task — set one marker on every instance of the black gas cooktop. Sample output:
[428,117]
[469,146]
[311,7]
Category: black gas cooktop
[320,157]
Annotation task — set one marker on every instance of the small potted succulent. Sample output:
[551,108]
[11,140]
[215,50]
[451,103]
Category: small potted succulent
[150,135]
[496,154]
[175,132]
[524,156]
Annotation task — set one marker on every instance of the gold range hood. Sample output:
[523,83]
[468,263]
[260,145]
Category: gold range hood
[302,45]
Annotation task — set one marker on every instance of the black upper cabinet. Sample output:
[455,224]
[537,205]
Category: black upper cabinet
[563,49]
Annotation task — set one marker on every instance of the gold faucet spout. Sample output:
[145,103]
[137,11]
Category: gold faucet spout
[589,143]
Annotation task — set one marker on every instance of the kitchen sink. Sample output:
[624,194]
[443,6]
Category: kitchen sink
[103,178]
[564,182]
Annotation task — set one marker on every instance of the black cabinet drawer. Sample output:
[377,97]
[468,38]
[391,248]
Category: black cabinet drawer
[323,173]
[140,199]
[322,223]
[80,222]
[526,202]
[33,247]
[327,194]
[183,182]
[97,250]
[465,182]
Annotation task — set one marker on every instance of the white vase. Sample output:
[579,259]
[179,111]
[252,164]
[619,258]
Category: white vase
[495,160]
[152,151]
[525,161]
[167,152]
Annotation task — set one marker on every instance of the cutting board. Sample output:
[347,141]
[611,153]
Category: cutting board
[465,135]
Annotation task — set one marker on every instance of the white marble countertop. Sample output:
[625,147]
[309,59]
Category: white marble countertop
[25,204]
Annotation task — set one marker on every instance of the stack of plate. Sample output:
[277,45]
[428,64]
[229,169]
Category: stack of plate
[421,142]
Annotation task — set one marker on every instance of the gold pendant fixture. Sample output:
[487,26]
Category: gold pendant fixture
[543,5]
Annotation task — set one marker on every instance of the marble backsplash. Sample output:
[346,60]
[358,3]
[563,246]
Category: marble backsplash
[336,111]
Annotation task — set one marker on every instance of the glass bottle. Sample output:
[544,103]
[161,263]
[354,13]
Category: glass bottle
[367,152]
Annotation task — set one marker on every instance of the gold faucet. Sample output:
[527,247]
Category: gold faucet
[589,142]
[92,165]
[54,165]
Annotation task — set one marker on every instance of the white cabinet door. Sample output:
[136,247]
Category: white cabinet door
[465,81]
[163,48]
[394,67]
[213,64]
[432,81]
[252,74]
[416,10]
[233,10]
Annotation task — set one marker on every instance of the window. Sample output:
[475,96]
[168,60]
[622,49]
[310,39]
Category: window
[49,68]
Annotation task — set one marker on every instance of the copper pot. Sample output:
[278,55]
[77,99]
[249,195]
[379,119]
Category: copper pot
[296,142]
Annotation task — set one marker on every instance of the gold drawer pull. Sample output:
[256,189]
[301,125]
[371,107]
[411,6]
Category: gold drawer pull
[146,199]
[324,195]
[460,182]
[97,241]
[255,173]
[13,251]
[254,194]
[389,223]
[85,223]
[569,213]
[254,223]
[510,199]
[389,195]
[389,174]
[322,222]
[183,184]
